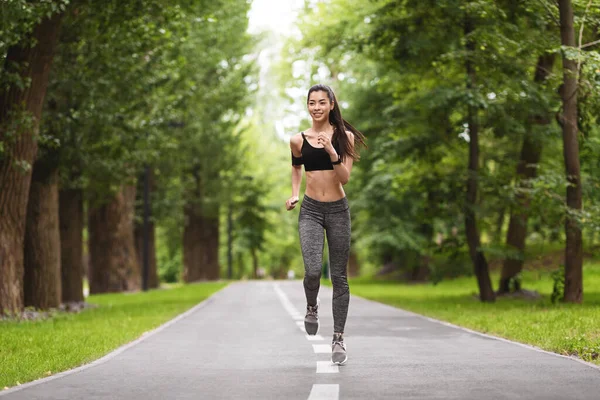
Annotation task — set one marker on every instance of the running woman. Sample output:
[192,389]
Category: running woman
[327,151]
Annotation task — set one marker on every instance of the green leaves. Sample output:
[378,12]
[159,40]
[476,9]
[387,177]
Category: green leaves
[18,17]
[401,67]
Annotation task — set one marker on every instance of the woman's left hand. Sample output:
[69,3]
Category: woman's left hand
[324,140]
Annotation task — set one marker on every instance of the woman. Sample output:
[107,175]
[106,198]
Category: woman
[327,151]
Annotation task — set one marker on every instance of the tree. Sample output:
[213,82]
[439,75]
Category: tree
[108,112]
[480,264]
[140,230]
[42,277]
[410,94]
[21,102]
[71,215]
[574,241]
[209,141]
[251,221]
[531,152]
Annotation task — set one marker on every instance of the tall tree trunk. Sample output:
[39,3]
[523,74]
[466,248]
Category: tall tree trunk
[34,66]
[500,224]
[200,237]
[42,283]
[71,244]
[211,236]
[139,246]
[200,246]
[574,245]
[229,241]
[194,246]
[139,233]
[420,268]
[113,259]
[254,255]
[128,255]
[531,152]
[353,265]
[486,293]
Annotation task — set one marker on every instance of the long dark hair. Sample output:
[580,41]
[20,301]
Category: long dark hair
[340,126]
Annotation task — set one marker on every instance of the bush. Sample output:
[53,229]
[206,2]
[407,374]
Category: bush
[168,264]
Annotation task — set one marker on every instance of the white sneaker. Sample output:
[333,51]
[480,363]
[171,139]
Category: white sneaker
[338,350]
[311,320]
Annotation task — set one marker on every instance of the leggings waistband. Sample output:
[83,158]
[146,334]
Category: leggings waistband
[326,207]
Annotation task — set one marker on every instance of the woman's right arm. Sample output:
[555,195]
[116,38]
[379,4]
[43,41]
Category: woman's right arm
[296,174]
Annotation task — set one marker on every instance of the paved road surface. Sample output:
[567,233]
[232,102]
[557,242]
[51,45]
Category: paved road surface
[247,342]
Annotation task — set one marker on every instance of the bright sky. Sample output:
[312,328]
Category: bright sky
[279,17]
[275,15]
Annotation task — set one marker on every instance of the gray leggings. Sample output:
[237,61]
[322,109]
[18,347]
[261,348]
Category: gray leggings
[334,218]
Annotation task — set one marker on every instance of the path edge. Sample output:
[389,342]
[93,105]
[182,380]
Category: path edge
[486,335]
[119,349]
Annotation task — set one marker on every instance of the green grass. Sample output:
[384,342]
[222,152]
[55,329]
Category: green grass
[33,349]
[567,329]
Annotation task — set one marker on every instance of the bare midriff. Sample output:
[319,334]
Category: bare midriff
[324,186]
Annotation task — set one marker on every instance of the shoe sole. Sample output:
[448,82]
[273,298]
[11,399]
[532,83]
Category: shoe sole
[340,362]
[311,328]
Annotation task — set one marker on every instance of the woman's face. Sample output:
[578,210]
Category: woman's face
[319,106]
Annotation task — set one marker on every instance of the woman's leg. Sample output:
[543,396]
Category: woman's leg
[338,228]
[310,227]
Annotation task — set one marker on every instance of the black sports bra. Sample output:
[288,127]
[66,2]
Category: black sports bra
[314,158]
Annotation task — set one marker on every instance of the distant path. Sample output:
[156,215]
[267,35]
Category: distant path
[247,342]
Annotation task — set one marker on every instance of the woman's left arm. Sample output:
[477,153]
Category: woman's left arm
[343,170]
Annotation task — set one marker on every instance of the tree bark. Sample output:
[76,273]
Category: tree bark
[139,247]
[42,282]
[531,152]
[499,224]
[353,265]
[194,246]
[200,246]
[153,282]
[200,237]
[34,64]
[71,244]
[420,268]
[113,259]
[254,255]
[486,293]
[574,242]
[212,238]
[229,241]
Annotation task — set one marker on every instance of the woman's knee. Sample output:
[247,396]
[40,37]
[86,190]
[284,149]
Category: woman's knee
[312,275]
[339,282]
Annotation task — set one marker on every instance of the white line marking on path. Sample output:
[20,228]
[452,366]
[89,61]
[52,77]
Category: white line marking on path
[324,392]
[319,391]
[287,304]
[326,367]
[321,348]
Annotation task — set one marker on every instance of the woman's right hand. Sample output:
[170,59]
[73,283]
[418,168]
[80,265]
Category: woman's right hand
[291,202]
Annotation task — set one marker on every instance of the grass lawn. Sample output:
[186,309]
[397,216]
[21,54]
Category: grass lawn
[563,328]
[33,349]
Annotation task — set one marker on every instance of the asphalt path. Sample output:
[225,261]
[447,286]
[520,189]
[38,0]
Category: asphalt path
[247,342]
